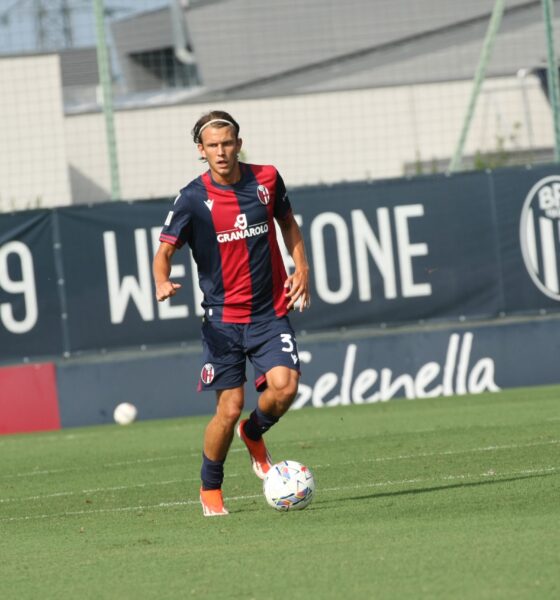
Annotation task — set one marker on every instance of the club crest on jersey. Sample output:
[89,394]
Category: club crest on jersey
[263,194]
[207,374]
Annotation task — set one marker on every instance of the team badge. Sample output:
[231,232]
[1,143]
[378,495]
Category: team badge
[540,235]
[263,194]
[207,374]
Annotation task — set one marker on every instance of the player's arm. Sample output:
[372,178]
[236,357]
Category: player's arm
[161,270]
[297,284]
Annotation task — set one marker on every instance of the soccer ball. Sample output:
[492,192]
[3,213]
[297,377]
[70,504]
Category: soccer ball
[125,413]
[288,485]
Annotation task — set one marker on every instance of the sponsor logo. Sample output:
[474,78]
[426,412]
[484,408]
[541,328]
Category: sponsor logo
[539,234]
[242,230]
[263,194]
[241,221]
[207,374]
[455,375]
[169,217]
[209,203]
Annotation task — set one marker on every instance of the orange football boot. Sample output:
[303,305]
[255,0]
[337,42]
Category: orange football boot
[212,503]
[260,457]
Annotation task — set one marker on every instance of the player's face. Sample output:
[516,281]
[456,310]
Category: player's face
[220,147]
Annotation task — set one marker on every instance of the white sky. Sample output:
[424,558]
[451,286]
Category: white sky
[19,21]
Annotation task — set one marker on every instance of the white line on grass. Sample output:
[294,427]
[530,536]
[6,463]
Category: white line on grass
[136,461]
[106,489]
[443,453]
[162,458]
[376,459]
[140,508]
[122,463]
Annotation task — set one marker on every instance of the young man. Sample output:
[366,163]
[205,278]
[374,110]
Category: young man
[227,217]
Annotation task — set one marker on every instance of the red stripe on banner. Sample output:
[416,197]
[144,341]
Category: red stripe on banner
[236,271]
[28,399]
[266,175]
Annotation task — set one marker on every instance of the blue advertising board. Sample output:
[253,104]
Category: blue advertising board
[345,369]
[77,280]
[31,316]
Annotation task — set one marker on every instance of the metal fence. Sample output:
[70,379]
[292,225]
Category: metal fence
[99,97]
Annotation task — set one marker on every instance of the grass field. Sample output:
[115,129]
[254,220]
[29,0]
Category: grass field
[444,498]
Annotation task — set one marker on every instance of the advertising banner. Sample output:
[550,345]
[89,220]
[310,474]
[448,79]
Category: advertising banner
[478,245]
[400,251]
[31,318]
[28,398]
[111,299]
[419,364]
[528,228]
[387,252]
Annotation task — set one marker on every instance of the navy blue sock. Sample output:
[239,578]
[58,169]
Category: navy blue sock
[212,473]
[258,424]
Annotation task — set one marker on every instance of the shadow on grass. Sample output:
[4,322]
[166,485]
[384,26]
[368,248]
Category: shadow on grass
[435,488]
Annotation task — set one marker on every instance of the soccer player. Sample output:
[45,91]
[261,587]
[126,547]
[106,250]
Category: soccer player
[226,216]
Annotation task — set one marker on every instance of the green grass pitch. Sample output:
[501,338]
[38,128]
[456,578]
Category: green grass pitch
[442,498]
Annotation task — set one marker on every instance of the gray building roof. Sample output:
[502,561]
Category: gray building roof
[78,66]
[268,47]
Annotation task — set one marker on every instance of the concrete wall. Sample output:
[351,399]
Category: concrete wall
[33,146]
[49,159]
[312,138]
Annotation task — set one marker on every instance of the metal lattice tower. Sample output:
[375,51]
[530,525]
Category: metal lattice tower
[53,24]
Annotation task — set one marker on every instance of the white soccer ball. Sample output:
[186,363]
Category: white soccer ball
[289,485]
[125,413]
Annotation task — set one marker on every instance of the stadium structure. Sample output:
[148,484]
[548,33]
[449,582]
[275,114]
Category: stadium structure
[421,278]
[324,65]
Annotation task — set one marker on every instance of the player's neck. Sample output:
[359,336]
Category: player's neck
[227,179]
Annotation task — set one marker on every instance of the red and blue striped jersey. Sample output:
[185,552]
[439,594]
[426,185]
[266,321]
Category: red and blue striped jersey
[230,230]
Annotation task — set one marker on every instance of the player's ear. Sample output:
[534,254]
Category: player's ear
[239,144]
[201,150]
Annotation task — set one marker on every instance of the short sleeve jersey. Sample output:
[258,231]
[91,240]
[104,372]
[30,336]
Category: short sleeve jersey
[230,230]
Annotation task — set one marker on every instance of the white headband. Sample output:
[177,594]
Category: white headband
[211,122]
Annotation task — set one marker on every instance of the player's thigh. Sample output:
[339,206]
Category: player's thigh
[223,357]
[273,344]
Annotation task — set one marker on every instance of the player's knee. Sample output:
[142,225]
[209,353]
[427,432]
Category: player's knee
[284,395]
[230,408]
[232,414]
[286,399]
[283,384]
[229,414]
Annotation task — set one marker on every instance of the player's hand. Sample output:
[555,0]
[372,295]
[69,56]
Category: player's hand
[297,288]
[166,289]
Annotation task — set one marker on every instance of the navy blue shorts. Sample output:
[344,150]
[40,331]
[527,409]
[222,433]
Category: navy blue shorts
[226,346]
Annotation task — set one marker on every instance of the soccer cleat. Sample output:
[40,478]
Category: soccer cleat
[212,503]
[260,458]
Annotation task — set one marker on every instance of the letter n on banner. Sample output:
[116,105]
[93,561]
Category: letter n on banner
[28,399]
